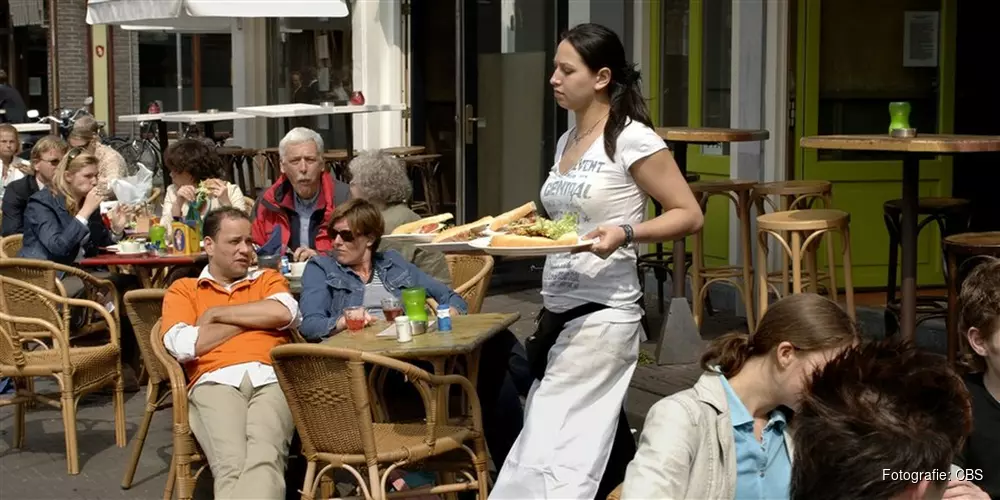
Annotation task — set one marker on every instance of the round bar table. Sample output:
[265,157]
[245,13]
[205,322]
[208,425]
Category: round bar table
[912,149]
[686,343]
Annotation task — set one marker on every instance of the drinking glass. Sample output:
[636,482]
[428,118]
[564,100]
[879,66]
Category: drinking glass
[391,308]
[355,318]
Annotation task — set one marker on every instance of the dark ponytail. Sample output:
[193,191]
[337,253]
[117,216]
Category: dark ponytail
[599,47]
[808,321]
[729,352]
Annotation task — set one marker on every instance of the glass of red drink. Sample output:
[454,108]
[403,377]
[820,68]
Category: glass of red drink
[391,307]
[355,318]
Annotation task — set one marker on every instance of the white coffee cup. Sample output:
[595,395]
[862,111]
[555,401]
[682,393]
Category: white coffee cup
[295,269]
[129,247]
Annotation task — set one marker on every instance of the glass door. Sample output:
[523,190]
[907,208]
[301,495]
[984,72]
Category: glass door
[854,58]
[506,118]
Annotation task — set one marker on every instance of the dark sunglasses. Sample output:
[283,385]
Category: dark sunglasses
[345,234]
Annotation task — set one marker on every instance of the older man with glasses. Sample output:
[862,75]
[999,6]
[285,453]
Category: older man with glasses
[292,215]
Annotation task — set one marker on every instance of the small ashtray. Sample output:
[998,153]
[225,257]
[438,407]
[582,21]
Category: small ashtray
[212,111]
[328,104]
[903,132]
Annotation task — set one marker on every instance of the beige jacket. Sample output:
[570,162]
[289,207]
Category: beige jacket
[687,448]
[110,166]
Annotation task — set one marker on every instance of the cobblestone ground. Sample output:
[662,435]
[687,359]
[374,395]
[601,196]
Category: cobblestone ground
[39,470]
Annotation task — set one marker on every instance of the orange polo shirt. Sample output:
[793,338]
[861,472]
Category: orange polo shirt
[188,298]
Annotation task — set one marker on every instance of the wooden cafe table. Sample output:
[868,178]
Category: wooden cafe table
[152,270]
[467,335]
[685,340]
[912,149]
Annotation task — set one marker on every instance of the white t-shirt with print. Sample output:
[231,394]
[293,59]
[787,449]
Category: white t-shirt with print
[601,191]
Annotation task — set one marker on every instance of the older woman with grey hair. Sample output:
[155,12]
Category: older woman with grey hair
[381,179]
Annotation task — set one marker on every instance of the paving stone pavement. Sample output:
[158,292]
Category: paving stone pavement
[39,470]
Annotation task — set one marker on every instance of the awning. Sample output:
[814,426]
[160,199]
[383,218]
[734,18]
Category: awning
[185,13]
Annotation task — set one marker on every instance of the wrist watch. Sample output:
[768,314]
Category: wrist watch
[629,234]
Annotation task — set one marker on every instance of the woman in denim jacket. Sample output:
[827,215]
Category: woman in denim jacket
[357,275]
[354,274]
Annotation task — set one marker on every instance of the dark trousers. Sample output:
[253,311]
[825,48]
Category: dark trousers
[622,452]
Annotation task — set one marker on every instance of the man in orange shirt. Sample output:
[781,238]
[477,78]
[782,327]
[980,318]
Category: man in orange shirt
[222,327]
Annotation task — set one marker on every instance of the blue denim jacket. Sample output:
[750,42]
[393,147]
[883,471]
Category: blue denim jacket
[328,287]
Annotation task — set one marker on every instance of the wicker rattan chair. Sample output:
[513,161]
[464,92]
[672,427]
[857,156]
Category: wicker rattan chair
[327,391]
[144,309]
[187,453]
[472,273]
[78,370]
[10,245]
[45,274]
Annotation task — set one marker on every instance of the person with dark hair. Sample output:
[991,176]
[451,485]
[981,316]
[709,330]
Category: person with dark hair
[741,405]
[576,442]
[15,111]
[979,319]
[222,326]
[880,421]
[356,273]
[196,168]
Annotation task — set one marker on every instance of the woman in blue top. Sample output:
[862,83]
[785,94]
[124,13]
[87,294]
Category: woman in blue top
[355,274]
[63,222]
[727,437]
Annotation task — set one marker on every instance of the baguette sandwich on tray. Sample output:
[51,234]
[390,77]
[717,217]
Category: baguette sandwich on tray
[523,227]
[427,225]
[463,233]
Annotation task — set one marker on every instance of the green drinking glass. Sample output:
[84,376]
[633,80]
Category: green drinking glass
[899,115]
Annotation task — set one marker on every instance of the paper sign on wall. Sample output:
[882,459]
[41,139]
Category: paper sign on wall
[920,39]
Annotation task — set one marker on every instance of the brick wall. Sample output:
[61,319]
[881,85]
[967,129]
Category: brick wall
[71,52]
[126,77]
[74,72]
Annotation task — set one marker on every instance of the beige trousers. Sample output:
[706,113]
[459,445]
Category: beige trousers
[245,433]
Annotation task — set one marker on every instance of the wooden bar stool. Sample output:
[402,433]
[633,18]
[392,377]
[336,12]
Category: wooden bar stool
[740,277]
[806,227]
[234,160]
[959,248]
[793,195]
[426,166]
[272,162]
[952,217]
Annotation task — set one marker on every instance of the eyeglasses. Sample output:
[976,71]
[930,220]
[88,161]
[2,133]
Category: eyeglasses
[345,234]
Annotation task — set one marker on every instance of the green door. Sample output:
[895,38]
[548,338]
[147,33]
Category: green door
[690,75]
[854,57]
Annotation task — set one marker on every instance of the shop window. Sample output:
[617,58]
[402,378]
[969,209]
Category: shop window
[310,63]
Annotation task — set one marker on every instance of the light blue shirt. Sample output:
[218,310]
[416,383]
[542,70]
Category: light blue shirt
[763,469]
[304,209]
